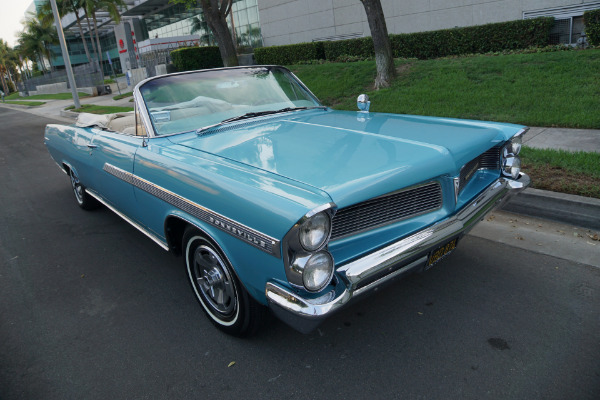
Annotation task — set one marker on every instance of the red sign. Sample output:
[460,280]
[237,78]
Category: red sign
[121,43]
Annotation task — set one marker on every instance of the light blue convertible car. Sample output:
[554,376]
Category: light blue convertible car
[277,202]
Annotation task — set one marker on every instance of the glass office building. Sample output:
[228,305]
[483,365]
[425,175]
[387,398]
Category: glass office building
[177,20]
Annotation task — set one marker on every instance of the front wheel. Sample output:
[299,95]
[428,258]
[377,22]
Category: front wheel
[84,200]
[224,300]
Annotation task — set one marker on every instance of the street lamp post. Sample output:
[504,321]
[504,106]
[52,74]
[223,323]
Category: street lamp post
[65,54]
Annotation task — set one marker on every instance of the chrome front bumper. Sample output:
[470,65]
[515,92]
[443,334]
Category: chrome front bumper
[403,256]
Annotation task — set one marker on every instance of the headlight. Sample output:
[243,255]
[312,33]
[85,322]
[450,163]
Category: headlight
[515,145]
[314,232]
[511,166]
[318,271]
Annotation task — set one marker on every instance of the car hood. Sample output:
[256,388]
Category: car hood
[351,155]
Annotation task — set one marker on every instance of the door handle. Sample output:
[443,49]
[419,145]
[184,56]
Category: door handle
[92,146]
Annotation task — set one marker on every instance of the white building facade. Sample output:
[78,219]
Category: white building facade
[295,21]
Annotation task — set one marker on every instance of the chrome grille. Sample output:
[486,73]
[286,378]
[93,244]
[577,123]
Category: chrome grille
[386,209]
[488,160]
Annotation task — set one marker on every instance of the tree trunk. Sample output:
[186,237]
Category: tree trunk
[97,42]
[87,18]
[42,63]
[4,88]
[217,22]
[49,56]
[381,42]
[85,47]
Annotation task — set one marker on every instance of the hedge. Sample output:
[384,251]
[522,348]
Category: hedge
[495,37]
[592,26]
[193,58]
[487,38]
[289,54]
[360,47]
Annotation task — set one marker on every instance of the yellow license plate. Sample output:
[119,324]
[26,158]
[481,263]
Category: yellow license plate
[441,252]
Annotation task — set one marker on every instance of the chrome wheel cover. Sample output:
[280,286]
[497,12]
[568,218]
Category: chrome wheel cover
[77,188]
[213,281]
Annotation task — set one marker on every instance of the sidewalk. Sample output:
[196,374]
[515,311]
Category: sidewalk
[54,108]
[563,138]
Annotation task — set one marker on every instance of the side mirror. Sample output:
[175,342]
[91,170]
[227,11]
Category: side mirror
[363,103]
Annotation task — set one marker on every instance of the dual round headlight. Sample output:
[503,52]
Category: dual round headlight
[314,232]
[511,162]
[318,271]
[511,166]
[513,147]
[311,266]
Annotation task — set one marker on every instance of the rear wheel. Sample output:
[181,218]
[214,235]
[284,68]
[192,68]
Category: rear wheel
[225,301]
[84,200]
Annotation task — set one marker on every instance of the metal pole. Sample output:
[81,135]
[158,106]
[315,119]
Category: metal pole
[65,54]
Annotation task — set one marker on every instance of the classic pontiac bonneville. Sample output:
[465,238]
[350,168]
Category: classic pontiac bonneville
[276,201]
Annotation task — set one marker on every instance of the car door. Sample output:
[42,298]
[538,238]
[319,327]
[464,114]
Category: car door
[113,155]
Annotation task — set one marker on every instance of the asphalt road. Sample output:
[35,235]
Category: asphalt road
[92,309]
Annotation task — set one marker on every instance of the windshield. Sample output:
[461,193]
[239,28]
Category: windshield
[187,102]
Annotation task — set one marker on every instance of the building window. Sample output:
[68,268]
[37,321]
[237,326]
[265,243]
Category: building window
[566,30]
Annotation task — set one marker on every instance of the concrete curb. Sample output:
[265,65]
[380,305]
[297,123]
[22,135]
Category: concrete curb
[566,208]
[68,114]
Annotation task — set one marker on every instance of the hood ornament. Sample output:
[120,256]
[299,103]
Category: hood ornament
[363,103]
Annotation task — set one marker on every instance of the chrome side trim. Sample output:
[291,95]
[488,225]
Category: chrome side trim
[375,268]
[131,222]
[246,234]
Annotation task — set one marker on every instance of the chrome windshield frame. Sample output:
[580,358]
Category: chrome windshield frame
[143,110]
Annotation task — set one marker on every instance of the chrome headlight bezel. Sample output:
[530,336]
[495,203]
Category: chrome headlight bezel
[511,166]
[310,264]
[510,161]
[318,225]
[298,248]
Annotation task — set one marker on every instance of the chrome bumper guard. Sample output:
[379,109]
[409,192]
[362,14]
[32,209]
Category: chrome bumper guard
[306,314]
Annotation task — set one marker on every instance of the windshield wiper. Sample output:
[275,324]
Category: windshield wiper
[257,114]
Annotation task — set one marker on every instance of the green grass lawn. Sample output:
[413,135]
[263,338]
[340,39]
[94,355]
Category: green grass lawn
[94,109]
[26,103]
[122,95]
[563,171]
[539,89]
[54,96]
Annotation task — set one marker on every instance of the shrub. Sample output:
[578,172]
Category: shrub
[289,54]
[487,38]
[360,47]
[193,58]
[592,26]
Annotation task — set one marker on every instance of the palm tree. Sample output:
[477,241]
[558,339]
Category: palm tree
[35,40]
[44,33]
[93,6]
[30,47]
[4,58]
[65,7]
